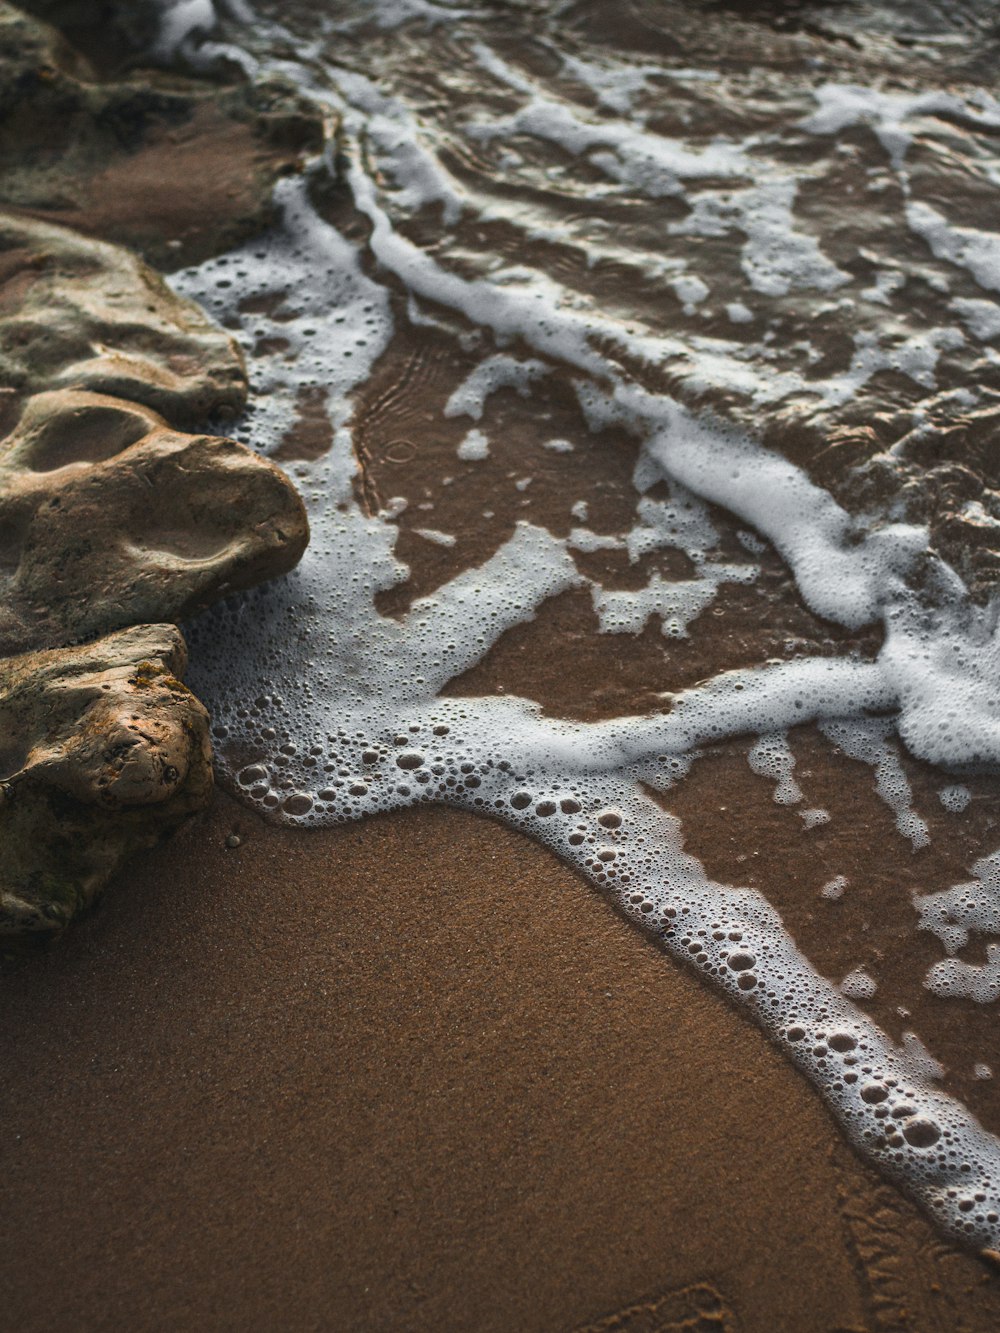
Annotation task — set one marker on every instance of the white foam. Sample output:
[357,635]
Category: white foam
[396,138]
[868,740]
[690,291]
[492,374]
[893,117]
[583,539]
[436,536]
[391,14]
[953,979]
[181,20]
[954,914]
[777,256]
[843,574]
[955,797]
[981,318]
[772,757]
[887,281]
[943,668]
[615,85]
[651,163]
[971,249]
[474,446]
[675,603]
[858,985]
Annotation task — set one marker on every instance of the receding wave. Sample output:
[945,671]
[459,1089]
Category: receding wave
[699,336]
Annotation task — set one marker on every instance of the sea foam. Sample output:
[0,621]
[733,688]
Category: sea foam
[325,710]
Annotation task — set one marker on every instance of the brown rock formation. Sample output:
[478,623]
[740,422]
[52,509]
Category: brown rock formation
[102,749]
[110,518]
[78,313]
[118,158]
[109,515]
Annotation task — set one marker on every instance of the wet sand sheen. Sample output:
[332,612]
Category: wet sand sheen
[278,1086]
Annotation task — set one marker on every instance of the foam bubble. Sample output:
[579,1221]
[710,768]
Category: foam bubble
[859,985]
[474,447]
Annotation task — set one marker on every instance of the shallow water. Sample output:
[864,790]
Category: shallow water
[639,374]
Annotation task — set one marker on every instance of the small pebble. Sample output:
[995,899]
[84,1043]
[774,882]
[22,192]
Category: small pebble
[233,840]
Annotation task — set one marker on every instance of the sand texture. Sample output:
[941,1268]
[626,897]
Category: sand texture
[346,1081]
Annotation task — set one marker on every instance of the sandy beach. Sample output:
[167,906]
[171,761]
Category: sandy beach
[343,1080]
[636,384]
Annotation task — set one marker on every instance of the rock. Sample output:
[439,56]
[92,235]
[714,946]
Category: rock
[177,168]
[109,518]
[102,750]
[77,313]
[109,32]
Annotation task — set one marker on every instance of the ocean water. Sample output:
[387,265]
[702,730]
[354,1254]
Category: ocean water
[638,367]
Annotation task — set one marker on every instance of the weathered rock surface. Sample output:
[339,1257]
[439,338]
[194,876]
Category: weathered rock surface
[102,749]
[178,168]
[110,518]
[78,313]
[108,32]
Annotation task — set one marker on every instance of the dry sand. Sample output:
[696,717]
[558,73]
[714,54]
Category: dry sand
[355,1079]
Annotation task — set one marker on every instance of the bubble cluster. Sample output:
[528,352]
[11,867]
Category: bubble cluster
[771,757]
[868,740]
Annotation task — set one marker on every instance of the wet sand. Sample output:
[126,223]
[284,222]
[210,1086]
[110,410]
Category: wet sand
[347,1080]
